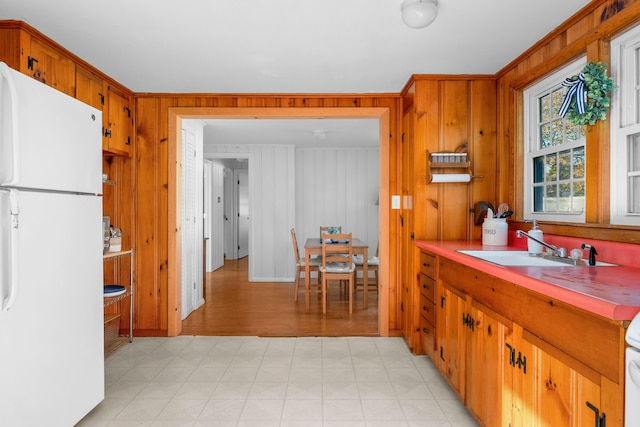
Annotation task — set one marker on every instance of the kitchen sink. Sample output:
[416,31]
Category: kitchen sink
[522,259]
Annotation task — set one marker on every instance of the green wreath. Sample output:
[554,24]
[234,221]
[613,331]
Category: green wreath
[587,99]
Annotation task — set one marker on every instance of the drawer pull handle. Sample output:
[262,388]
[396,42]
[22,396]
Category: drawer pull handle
[425,308]
[425,264]
[426,330]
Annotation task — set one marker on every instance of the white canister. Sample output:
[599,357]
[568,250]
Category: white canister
[495,232]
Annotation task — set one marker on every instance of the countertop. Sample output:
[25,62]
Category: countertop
[609,291]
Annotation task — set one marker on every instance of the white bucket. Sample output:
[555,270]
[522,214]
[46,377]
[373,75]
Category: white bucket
[495,232]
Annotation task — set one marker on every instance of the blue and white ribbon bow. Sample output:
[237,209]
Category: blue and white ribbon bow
[577,89]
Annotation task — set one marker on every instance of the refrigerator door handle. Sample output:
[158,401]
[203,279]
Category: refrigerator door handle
[12,273]
[11,148]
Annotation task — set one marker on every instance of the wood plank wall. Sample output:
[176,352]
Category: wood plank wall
[443,114]
[152,195]
[586,33]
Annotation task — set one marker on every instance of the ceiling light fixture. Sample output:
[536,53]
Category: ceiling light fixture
[419,13]
[319,133]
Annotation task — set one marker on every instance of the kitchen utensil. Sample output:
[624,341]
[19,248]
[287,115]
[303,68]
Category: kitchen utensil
[479,212]
[502,209]
[505,214]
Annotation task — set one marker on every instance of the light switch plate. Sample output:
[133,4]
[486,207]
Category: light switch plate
[395,202]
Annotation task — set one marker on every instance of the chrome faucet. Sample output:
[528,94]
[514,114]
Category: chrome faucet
[559,252]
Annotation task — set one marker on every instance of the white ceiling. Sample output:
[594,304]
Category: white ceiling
[287,46]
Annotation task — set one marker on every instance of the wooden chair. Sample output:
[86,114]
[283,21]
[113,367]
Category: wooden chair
[330,230]
[314,265]
[337,264]
[373,263]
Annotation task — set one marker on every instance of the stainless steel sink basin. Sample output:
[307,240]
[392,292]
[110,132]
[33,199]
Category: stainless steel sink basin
[522,259]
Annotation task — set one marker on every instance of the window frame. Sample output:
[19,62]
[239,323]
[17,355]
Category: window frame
[531,96]
[625,121]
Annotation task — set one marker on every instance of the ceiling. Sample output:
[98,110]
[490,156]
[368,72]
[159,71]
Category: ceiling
[287,46]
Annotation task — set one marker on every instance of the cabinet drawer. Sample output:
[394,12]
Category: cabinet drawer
[428,265]
[427,336]
[428,287]
[427,309]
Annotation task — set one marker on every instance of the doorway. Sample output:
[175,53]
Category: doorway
[381,113]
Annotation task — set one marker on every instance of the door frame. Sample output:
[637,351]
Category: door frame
[175,117]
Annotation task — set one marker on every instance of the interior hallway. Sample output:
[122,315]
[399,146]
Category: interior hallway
[235,306]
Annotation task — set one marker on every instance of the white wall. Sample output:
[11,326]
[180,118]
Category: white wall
[305,188]
[338,186]
[271,207]
[216,221]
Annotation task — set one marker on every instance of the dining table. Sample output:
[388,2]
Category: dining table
[313,246]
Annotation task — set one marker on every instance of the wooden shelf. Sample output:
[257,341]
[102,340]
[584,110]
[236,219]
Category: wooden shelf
[456,164]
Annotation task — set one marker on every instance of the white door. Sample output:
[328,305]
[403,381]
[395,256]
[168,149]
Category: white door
[192,217]
[243,214]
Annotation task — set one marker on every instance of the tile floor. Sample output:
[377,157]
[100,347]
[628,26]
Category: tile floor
[250,381]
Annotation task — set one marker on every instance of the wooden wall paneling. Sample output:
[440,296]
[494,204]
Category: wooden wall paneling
[10,47]
[588,32]
[454,127]
[482,148]
[149,237]
[167,298]
[407,248]
[598,152]
[382,113]
[393,217]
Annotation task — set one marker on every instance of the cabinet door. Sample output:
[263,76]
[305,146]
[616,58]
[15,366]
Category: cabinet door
[50,67]
[119,131]
[565,396]
[452,347]
[519,391]
[554,388]
[89,88]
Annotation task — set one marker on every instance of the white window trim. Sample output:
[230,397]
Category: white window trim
[623,124]
[531,111]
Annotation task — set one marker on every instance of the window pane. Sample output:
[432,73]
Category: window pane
[578,163]
[564,162]
[538,169]
[551,168]
[574,132]
[634,152]
[564,198]
[538,199]
[637,81]
[545,108]
[545,136]
[578,196]
[551,201]
[557,97]
[557,129]
[634,194]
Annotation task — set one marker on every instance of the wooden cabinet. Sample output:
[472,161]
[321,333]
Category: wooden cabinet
[500,350]
[90,88]
[117,120]
[22,49]
[48,65]
[427,306]
[118,132]
[26,50]
[452,336]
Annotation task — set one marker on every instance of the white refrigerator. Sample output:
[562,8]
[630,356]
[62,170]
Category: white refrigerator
[51,294]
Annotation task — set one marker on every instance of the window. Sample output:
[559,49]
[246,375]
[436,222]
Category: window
[625,129]
[554,152]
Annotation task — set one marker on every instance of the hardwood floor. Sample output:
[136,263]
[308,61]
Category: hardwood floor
[235,306]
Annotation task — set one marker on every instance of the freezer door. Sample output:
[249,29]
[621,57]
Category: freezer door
[48,140]
[51,337]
